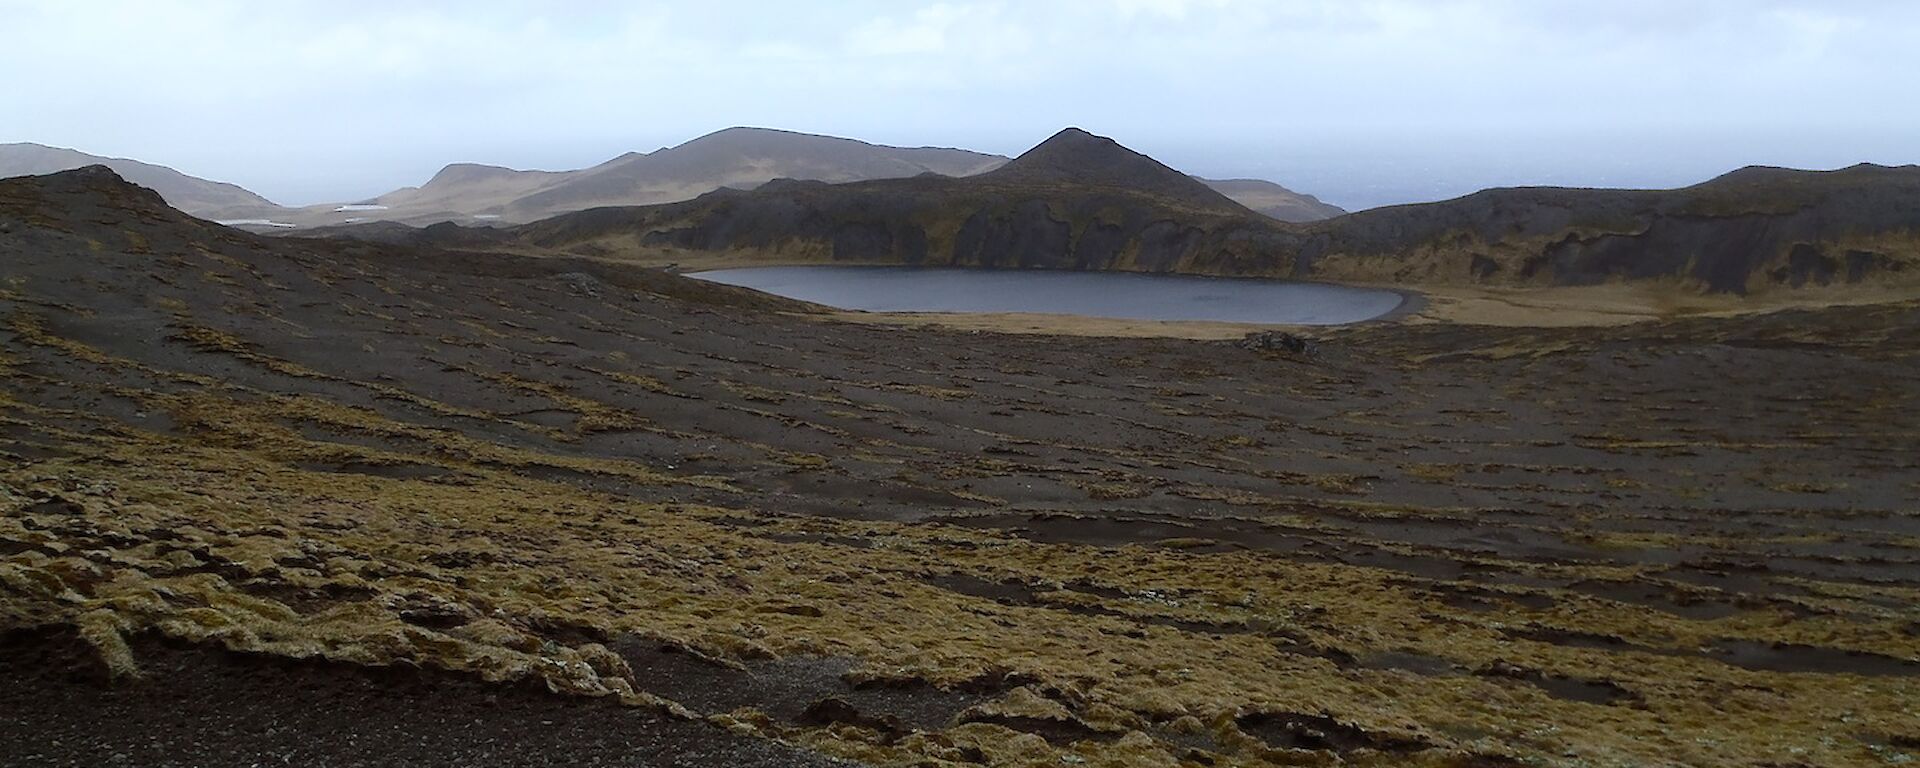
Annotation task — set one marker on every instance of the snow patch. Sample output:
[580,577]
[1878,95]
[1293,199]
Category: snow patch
[254,223]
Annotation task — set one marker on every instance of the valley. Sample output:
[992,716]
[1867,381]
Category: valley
[508,484]
[960,384]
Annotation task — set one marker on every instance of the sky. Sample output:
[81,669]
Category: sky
[1362,102]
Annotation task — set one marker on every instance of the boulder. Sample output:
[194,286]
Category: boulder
[1278,341]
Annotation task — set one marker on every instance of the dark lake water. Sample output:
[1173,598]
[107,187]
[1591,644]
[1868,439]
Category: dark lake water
[1097,294]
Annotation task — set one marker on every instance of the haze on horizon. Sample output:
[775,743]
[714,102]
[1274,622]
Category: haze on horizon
[1363,104]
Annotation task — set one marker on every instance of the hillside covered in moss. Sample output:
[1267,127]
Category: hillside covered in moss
[260,496]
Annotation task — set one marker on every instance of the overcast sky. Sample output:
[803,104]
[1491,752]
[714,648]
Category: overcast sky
[1364,102]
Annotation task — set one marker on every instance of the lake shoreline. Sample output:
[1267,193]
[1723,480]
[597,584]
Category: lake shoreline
[1127,296]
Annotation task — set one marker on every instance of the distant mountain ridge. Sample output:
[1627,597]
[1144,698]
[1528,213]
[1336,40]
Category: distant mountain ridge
[1753,229]
[1273,200]
[200,197]
[737,158]
[1074,201]
[1079,201]
[475,193]
[462,191]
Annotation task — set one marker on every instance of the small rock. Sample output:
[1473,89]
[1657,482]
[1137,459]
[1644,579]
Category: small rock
[1278,341]
[580,284]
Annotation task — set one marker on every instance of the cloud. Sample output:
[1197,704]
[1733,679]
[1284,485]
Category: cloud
[1170,9]
[924,32]
[942,34]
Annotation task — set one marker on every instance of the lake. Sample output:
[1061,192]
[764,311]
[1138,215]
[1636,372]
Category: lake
[1124,295]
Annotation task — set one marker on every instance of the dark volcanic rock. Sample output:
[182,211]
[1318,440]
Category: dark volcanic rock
[1027,236]
[1278,341]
